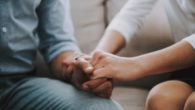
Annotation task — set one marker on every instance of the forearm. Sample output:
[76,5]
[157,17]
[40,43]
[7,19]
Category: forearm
[124,26]
[111,42]
[178,56]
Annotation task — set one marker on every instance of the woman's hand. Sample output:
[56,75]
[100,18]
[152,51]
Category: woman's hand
[111,66]
[101,87]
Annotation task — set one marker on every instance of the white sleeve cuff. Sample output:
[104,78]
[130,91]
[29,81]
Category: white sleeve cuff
[191,40]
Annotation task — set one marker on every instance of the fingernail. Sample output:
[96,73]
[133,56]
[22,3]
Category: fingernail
[89,68]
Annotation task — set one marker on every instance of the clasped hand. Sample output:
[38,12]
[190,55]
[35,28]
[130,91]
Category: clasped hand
[79,71]
[95,72]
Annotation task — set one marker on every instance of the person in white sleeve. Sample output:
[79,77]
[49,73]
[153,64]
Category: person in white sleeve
[176,94]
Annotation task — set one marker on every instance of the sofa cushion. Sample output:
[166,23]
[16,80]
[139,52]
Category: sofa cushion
[130,98]
[113,7]
[89,22]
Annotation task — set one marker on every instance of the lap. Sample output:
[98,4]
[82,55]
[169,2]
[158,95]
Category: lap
[49,94]
[186,75]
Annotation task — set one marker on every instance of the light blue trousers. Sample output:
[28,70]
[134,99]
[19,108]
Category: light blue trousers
[38,93]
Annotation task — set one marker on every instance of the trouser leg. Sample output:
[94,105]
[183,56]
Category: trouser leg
[50,94]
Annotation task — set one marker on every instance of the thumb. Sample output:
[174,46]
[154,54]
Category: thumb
[84,65]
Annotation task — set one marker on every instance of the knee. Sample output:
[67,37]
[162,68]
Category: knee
[166,95]
[49,93]
[51,87]
[62,95]
[157,99]
[190,103]
[40,94]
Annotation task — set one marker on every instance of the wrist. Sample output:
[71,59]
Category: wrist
[137,68]
[111,42]
[62,62]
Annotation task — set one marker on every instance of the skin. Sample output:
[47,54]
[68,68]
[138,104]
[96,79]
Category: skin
[85,63]
[64,66]
[166,95]
[106,65]
[178,56]
[102,86]
[116,42]
[123,68]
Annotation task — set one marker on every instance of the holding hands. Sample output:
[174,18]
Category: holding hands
[95,73]
[107,65]
[78,70]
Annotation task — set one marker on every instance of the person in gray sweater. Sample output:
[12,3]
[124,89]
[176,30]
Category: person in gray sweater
[27,26]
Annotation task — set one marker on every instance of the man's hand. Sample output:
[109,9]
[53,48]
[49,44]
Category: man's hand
[63,64]
[78,77]
[76,68]
[72,72]
[101,87]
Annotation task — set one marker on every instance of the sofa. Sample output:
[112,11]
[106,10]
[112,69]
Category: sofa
[91,17]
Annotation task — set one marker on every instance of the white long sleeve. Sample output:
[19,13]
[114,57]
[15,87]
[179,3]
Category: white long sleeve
[191,40]
[130,17]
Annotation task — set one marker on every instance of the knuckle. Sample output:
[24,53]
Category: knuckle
[108,84]
[101,57]
[99,54]
[106,59]
[84,64]
[90,84]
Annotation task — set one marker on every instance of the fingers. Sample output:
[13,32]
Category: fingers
[84,64]
[69,71]
[65,73]
[91,84]
[97,56]
[100,87]
[102,73]
[104,90]
[88,65]
[78,78]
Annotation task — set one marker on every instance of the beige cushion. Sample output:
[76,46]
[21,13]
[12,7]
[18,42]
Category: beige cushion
[130,98]
[89,21]
[113,7]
